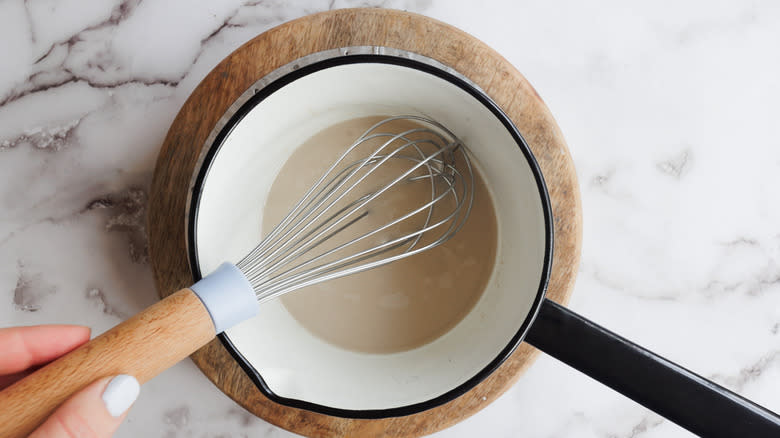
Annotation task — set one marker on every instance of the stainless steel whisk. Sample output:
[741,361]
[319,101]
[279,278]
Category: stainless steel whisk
[314,220]
[310,245]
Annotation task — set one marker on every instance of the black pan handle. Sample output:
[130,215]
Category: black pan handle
[695,403]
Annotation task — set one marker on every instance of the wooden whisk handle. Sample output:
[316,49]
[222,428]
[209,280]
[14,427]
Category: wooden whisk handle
[143,346]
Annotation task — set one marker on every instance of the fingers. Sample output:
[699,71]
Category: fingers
[24,347]
[94,412]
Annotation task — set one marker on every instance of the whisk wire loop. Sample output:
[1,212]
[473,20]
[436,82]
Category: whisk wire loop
[312,243]
[369,198]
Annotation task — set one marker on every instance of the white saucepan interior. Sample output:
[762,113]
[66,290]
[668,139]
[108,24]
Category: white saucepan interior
[294,363]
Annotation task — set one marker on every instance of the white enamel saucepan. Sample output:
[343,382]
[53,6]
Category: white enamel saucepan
[295,368]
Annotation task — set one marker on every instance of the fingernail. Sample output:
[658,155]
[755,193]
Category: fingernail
[120,393]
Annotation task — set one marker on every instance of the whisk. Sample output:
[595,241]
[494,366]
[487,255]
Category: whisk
[425,155]
[321,238]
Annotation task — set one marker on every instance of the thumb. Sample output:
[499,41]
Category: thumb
[94,412]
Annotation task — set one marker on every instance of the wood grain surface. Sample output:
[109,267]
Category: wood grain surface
[328,30]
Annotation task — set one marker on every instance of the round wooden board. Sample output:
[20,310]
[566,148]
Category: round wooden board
[335,29]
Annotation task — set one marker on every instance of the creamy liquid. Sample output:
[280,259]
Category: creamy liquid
[404,304]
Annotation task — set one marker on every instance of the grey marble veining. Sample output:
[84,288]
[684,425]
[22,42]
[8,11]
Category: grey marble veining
[670,111]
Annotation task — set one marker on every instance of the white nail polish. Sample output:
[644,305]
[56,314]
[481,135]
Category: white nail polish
[120,393]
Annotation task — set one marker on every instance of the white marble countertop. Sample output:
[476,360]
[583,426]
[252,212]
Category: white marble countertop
[670,110]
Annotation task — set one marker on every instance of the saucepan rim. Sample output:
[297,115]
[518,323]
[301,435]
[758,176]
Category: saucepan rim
[337,57]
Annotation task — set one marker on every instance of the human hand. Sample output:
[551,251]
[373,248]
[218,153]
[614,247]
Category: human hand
[94,412]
